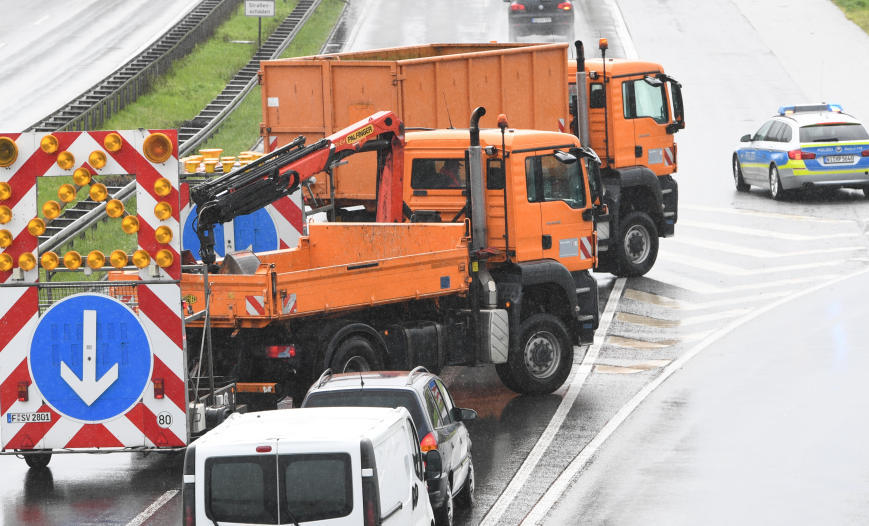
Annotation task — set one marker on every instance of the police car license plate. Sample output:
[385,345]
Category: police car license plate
[541,20]
[838,159]
[28,418]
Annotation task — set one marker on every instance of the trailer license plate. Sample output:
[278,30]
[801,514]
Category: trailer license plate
[838,159]
[28,418]
[541,20]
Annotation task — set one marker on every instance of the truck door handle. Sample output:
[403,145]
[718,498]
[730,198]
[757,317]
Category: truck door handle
[638,151]
[547,242]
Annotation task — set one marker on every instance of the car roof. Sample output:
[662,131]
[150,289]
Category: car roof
[808,118]
[373,379]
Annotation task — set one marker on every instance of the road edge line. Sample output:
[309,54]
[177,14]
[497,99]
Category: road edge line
[146,514]
[565,479]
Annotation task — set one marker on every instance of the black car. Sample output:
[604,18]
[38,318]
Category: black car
[438,421]
[540,17]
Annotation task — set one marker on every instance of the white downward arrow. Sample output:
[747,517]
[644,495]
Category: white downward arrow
[88,388]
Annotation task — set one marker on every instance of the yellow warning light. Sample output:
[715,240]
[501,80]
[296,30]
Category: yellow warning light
[5,214]
[72,260]
[114,208]
[162,187]
[5,238]
[8,151]
[81,176]
[65,160]
[27,261]
[113,142]
[50,261]
[51,209]
[98,192]
[97,159]
[96,259]
[602,44]
[66,192]
[36,226]
[5,262]
[164,258]
[118,259]
[157,148]
[210,165]
[130,224]
[163,210]
[49,144]
[211,153]
[163,234]
[141,258]
[5,191]
[227,163]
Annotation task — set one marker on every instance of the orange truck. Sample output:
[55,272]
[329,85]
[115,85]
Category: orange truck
[628,113]
[167,347]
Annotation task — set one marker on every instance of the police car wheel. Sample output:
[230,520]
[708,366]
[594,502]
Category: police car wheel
[741,185]
[866,192]
[775,188]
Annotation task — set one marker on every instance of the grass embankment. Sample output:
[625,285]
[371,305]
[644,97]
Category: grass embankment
[183,91]
[856,10]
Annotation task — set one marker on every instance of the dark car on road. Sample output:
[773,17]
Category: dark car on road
[540,17]
[439,422]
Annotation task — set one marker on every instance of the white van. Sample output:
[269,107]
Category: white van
[320,466]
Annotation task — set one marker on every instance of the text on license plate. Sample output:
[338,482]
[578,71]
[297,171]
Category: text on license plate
[834,159]
[541,20]
[28,418]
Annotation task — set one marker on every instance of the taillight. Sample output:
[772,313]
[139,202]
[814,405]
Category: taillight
[281,351]
[263,449]
[370,493]
[429,442]
[565,6]
[159,390]
[369,506]
[865,153]
[800,155]
[517,7]
[22,391]
[188,498]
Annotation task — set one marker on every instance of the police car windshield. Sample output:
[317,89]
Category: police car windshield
[834,132]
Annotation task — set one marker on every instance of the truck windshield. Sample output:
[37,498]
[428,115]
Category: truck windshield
[372,398]
[313,487]
[835,132]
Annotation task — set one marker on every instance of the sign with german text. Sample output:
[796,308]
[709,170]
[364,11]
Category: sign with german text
[260,8]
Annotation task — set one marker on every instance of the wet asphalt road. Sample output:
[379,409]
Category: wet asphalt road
[51,50]
[765,418]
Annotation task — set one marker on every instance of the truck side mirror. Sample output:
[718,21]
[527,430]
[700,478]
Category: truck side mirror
[745,138]
[564,157]
[433,465]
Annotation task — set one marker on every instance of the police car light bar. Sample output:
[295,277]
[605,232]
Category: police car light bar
[801,108]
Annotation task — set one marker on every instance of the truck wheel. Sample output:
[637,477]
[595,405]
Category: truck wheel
[741,185]
[444,514]
[637,246]
[545,356]
[355,354]
[38,460]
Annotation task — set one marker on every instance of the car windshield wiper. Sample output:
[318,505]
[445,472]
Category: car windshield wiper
[292,517]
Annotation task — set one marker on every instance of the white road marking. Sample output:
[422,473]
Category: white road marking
[709,265]
[557,489]
[683,305]
[648,321]
[530,463]
[762,233]
[622,30]
[2,44]
[140,519]
[678,280]
[40,20]
[757,213]
[756,252]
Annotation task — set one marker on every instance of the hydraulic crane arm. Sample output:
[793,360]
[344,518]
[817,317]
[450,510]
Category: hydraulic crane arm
[280,173]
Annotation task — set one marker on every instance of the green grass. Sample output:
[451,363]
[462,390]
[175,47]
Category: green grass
[856,10]
[241,130]
[193,81]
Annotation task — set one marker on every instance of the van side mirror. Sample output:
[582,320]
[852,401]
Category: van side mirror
[433,465]
[745,138]
[463,415]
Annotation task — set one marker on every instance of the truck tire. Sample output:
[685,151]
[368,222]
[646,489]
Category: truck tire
[637,246]
[356,353]
[544,357]
[37,460]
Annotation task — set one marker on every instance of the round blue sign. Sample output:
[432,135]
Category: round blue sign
[90,357]
[256,230]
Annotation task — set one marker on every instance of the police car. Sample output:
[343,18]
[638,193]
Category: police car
[804,146]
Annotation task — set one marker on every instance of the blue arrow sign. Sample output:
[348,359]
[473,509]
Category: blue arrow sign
[90,357]
[256,230]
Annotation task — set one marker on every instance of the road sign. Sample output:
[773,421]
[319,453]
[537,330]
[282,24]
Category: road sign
[90,357]
[261,8]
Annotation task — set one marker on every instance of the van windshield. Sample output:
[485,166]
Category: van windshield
[312,487]
[372,398]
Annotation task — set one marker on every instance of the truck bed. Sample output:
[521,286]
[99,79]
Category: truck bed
[336,267]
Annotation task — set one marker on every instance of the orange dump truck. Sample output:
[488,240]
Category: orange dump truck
[629,112]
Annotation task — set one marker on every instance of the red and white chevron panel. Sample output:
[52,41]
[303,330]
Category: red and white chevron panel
[153,421]
[585,247]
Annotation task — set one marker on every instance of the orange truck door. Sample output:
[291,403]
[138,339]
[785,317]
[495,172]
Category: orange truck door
[560,188]
[645,104]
